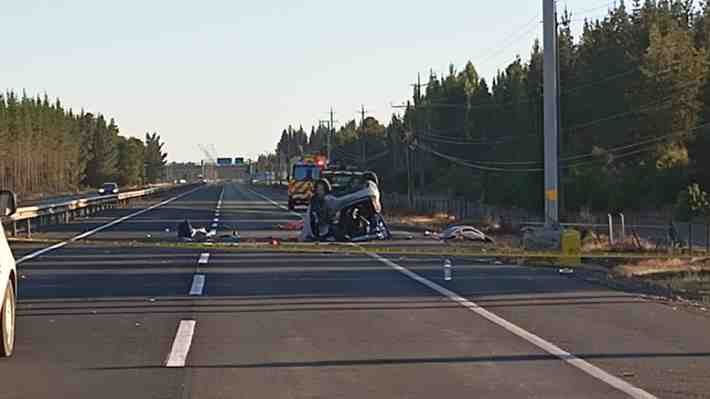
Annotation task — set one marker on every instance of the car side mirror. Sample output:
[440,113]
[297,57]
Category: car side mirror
[8,203]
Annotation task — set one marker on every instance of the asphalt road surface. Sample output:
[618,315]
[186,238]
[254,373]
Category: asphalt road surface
[109,318]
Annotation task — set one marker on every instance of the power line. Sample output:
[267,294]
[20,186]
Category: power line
[377,156]
[426,137]
[538,98]
[473,165]
[658,105]
[651,140]
[609,78]
[614,152]
[595,8]
[496,54]
[514,34]
[345,154]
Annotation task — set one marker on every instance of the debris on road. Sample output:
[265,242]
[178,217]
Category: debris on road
[296,225]
[466,233]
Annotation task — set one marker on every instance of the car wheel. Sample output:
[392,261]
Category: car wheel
[7,323]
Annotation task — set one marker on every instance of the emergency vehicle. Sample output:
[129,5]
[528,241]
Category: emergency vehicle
[304,171]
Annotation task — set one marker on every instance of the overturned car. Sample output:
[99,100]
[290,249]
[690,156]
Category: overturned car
[353,216]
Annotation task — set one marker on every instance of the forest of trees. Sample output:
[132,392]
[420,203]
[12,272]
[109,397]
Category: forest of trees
[47,149]
[635,115]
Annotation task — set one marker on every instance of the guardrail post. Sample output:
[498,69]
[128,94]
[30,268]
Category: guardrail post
[623,227]
[29,228]
[611,230]
[14,228]
[707,238]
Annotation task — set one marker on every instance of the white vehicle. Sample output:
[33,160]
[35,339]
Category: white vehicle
[8,280]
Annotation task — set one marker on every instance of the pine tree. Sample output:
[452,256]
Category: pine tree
[155,158]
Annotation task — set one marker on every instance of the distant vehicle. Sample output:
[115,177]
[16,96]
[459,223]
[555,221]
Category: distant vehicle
[109,188]
[304,171]
[182,181]
[8,280]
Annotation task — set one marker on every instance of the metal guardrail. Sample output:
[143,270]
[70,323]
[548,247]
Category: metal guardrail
[64,212]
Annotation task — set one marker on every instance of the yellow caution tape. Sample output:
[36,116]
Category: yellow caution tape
[448,250]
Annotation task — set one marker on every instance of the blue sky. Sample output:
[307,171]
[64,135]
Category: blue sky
[234,74]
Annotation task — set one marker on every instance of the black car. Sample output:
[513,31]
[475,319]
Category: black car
[108,188]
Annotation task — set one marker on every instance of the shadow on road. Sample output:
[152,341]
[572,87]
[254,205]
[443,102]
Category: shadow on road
[424,360]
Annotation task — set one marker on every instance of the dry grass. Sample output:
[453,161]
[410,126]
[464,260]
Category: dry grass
[434,222]
[600,243]
[680,275]
[648,267]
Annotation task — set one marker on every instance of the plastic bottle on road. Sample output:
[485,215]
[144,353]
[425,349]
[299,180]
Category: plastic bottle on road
[448,270]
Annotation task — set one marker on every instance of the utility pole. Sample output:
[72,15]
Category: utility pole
[560,136]
[410,190]
[331,129]
[551,113]
[416,127]
[362,136]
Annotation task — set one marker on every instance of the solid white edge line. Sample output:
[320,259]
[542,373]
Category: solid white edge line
[181,344]
[101,228]
[204,258]
[198,284]
[547,346]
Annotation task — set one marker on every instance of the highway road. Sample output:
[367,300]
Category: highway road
[116,317]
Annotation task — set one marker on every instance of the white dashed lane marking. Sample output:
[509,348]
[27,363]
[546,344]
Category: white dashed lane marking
[198,284]
[181,344]
[204,258]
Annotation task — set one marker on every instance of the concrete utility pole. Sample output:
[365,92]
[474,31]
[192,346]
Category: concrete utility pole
[550,69]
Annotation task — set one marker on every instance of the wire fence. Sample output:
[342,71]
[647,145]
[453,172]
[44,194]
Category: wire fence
[658,230]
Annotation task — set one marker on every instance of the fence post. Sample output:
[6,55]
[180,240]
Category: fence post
[29,228]
[623,227]
[14,228]
[690,237]
[611,229]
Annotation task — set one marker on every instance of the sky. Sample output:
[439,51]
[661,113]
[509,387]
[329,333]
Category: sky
[233,74]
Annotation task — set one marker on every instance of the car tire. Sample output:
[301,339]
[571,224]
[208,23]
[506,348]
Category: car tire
[7,322]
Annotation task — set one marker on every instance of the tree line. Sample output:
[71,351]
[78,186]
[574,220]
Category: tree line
[47,149]
[634,114]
